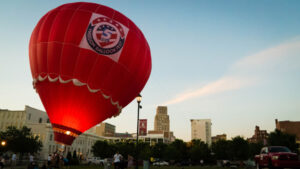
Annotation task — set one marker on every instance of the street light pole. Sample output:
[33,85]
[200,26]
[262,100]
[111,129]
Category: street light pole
[139,99]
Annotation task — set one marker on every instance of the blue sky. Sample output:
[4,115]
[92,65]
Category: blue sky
[235,62]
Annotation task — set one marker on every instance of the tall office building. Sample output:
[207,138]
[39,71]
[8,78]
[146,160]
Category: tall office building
[161,127]
[162,121]
[201,129]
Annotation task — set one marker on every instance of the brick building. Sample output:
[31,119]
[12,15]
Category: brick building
[259,136]
[291,127]
[218,137]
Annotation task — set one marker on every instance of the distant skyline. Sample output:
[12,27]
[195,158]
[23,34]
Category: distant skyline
[234,62]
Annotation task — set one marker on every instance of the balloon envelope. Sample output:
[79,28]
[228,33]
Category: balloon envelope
[88,61]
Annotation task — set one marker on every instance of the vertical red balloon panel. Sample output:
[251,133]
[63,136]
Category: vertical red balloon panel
[88,62]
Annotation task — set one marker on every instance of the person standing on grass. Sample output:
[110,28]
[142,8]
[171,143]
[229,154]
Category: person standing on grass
[1,162]
[117,160]
[13,161]
[30,158]
[49,160]
[130,162]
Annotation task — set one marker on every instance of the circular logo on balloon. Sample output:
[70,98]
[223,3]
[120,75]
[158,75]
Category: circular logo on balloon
[105,36]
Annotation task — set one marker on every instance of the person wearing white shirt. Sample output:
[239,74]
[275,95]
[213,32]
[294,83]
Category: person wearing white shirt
[117,160]
[30,158]
[13,160]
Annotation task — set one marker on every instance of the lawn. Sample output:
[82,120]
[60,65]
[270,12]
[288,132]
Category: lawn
[154,167]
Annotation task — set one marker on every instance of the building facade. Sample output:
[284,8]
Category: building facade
[259,136]
[82,144]
[291,127]
[161,132]
[162,121]
[105,129]
[219,137]
[40,126]
[201,129]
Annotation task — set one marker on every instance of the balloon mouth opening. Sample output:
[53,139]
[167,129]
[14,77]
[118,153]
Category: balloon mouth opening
[64,135]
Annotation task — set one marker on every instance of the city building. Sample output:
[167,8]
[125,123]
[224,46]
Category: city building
[152,138]
[259,136]
[19,118]
[15,118]
[162,121]
[161,127]
[218,137]
[201,129]
[82,144]
[291,127]
[157,137]
[40,126]
[105,129]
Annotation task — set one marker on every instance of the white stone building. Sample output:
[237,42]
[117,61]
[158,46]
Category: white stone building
[39,123]
[201,129]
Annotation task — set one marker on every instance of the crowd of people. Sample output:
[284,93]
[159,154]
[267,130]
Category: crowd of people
[4,158]
[55,160]
[121,163]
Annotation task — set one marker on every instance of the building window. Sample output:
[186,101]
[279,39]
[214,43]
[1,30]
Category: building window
[40,120]
[50,137]
[29,116]
[48,121]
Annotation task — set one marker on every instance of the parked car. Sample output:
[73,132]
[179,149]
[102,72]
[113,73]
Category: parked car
[161,163]
[276,157]
[185,163]
[95,160]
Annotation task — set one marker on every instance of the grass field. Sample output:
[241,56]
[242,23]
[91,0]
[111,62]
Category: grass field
[155,167]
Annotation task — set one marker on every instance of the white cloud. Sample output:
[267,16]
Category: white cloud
[243,73]
[269,56]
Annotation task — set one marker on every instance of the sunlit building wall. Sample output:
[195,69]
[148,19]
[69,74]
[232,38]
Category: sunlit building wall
[201,129]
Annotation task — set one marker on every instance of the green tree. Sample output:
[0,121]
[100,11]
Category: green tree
[124,148]
[103,149]
[158,150]
[254,149]
[240,148]
[278,138]
[177,151]
[171,153]
[145,151]
[21,140]
[221,149]
[199,150]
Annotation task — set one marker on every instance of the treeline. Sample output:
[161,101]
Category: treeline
[19,140]
[179,151]
[240,149]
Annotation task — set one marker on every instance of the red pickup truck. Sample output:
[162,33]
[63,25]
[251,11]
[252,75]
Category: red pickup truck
[277,157]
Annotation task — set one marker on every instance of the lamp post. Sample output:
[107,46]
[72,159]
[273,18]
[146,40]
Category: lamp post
[138,99]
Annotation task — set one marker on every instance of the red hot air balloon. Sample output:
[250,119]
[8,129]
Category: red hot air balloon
[88,61]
